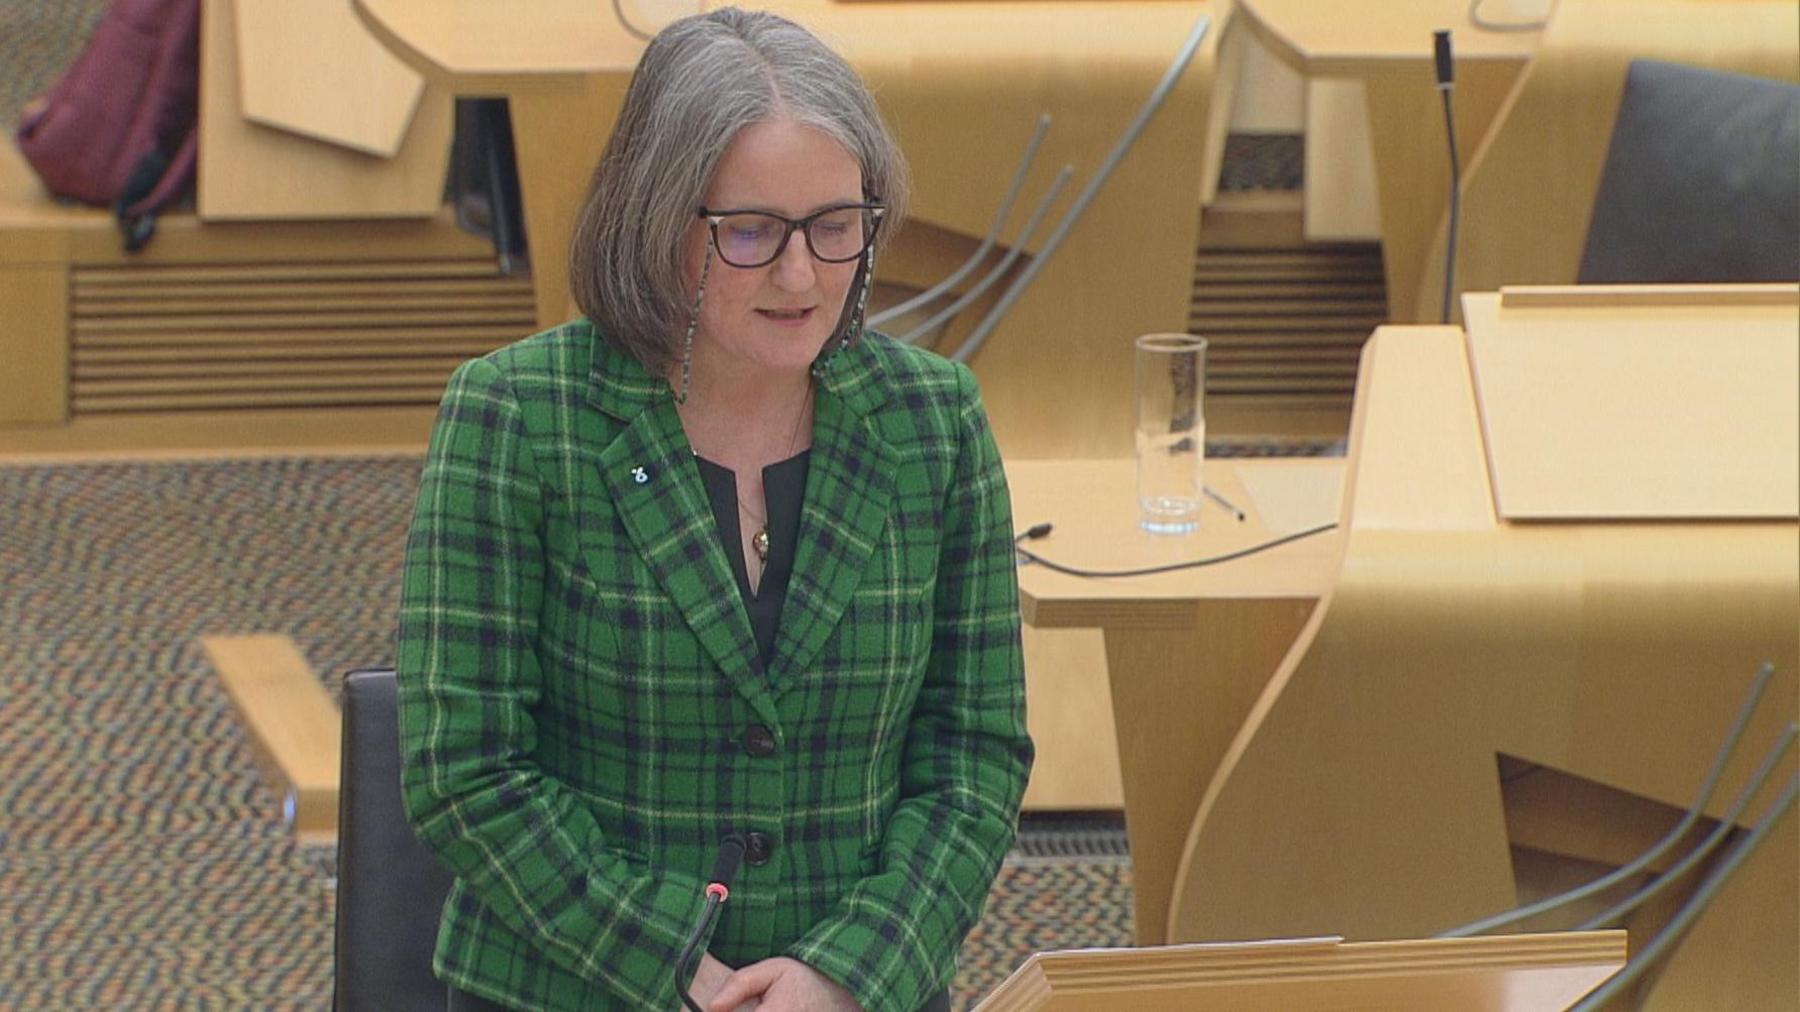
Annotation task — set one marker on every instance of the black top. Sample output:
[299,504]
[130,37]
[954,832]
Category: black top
[784,486]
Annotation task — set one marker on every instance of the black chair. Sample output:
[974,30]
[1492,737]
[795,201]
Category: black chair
[1701,182]
[390,889]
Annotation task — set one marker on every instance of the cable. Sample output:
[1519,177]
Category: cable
[1485,25]
[1639,863]
[1727,823]
[625,23]
[979,335]
[1043,530]
[999,270]
[987,241]
[1702,897]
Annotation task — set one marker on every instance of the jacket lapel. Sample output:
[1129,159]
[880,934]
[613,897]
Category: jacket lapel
[849,494]
[649,474]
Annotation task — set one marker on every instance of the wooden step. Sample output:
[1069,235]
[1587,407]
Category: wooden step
[295,729]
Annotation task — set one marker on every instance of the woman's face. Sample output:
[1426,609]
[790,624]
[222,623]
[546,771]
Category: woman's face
[776,317]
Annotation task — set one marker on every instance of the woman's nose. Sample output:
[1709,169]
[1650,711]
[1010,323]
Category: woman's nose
[794,268]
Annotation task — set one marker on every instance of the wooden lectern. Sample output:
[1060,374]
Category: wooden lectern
[1522,972]
[1570,544]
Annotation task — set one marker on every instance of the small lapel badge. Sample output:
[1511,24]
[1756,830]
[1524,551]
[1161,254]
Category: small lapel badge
[639,475]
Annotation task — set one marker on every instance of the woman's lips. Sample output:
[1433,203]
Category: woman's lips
[787,317]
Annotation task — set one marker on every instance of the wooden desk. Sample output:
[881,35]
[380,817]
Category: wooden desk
[1386,45]
[962,85]
[1365,794]
[1187,653]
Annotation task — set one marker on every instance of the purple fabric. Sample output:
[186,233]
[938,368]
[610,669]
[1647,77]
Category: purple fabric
[132,94]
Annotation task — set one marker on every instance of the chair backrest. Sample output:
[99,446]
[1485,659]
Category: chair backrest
[390,889]
[1702,181]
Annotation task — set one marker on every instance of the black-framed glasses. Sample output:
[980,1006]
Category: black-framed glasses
[756,238]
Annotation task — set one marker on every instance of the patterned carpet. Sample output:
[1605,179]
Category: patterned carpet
[143,863]
[38,38]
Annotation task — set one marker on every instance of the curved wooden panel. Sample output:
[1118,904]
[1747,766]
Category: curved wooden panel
[287,47]
[251,172]
[1362,795]
[1529,191]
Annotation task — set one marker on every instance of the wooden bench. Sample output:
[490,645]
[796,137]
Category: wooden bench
[295,730]
[229,336]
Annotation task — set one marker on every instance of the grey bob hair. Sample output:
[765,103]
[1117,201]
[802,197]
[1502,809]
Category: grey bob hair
[700,81]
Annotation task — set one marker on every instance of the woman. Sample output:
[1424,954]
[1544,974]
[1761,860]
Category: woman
[711,562]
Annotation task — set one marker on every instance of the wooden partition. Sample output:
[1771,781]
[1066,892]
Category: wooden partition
[251,171]
[1364,794]
[1385,47]
[963,86]
[234,336]
[1519,973]
[1528,193]
[1186,653]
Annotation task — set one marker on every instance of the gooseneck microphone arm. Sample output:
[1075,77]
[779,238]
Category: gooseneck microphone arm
[1446,82]
[718,890]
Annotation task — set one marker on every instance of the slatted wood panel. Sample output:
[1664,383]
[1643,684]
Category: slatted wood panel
[296,335]
[1286,322]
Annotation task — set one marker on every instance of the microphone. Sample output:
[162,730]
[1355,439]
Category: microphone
[718,890]
[1446,68]
[1446,81]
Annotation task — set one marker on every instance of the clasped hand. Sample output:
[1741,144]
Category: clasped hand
[779,984]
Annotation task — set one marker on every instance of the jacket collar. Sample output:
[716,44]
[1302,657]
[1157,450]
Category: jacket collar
[619,385]
[648,472]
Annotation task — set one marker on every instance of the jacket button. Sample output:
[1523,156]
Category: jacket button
[759,741]
[758,848]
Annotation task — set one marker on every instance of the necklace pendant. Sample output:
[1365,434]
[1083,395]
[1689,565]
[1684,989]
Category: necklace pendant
[760,542]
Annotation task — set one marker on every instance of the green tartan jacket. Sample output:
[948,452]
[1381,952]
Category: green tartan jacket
[577,675]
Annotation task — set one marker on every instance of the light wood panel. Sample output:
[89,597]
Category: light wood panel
[1070,717]
[1357,38]
[1528,193]
[1123,272]
[34,343]
[259,336]
[1606,407]
[1386,45]
[1412,174]
[253,172]
[1342,200]
[1362,794]
[1517,973]
[1742,954]
[294,727]
[475,47]
[1180,673]
[288,48]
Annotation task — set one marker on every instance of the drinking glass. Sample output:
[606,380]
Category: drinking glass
[1171,430]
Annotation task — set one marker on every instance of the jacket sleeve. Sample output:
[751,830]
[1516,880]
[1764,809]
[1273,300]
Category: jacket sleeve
[892,941]
[470,681]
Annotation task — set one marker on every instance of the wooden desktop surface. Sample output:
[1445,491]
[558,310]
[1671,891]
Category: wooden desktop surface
[478,46]
[1386,47]
[1672,402]
[290,51]
[1360,37]
[1186,654]
[1363,795]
